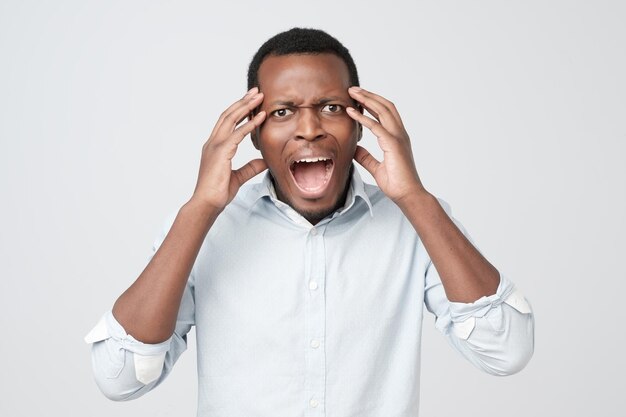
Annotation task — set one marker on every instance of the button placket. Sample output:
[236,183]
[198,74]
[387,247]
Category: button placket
[315,269]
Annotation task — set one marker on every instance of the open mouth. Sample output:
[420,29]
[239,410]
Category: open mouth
[311,175]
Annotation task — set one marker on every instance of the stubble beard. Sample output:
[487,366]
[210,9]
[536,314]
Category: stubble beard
[315,216]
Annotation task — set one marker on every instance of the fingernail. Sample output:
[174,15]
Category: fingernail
[351,110]
[356,88]
[252,91]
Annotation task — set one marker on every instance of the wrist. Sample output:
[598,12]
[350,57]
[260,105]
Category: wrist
[412,194]
[417,198]
[201,209]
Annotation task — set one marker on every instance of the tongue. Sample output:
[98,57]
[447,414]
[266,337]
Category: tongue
[310,175]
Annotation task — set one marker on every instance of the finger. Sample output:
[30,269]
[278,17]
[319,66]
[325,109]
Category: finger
[387,103]
[248,127]
[360,100]
[230,108]
[249,170]
[239,113]
[369,109]
[367,161]
[376,128]
[379,104]
[227,147]
[374,106]
[255,103]
[239,109]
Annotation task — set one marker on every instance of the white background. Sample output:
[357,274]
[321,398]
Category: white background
[516,111]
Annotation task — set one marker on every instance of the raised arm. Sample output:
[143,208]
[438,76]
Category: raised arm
[465,274]
[147,310]
[481,313]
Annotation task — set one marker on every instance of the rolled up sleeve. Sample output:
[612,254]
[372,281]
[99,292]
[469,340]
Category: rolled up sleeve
[125,368]
[494,333]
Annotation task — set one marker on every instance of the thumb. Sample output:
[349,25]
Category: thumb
[367,161]
[249,170]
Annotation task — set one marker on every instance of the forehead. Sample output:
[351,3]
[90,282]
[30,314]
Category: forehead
[303,75]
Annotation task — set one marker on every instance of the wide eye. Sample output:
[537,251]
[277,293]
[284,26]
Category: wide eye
[332,108]
[281,113]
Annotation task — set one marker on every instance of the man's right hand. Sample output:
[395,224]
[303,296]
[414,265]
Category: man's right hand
[217,182]
[148,308]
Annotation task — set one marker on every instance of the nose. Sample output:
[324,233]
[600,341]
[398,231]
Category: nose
[309,126]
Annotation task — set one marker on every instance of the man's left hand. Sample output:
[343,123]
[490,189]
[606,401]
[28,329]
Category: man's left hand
[396,174]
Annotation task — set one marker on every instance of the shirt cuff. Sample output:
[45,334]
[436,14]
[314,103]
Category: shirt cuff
[148,358]
[464,315]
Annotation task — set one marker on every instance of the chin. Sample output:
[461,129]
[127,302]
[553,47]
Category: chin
[314,213]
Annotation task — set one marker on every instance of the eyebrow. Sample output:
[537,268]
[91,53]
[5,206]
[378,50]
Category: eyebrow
[320,101]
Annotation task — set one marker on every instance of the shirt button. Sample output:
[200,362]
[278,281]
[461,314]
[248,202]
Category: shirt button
[313,231]
[314,403]
[312,285]
[315,344]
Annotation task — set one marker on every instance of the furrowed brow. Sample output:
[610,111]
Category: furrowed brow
[331,99]
[283,103]
[320,102]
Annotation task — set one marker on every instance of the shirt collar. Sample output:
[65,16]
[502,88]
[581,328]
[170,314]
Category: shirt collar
[266,189]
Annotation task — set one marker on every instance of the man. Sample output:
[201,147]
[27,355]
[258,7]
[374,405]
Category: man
[307,289]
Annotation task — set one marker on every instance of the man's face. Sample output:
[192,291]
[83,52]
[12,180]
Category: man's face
[307,140]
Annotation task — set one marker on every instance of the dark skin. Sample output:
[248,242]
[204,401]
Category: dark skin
[305,98]
[319,121]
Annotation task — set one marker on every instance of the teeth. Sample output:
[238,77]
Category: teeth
[321,158]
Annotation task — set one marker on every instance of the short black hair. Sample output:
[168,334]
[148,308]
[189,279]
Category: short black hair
[301,41]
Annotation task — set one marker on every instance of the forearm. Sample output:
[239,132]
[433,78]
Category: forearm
[465,274]
[148,308]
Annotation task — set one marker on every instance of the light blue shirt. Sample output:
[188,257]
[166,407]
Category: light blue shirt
[299,320]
